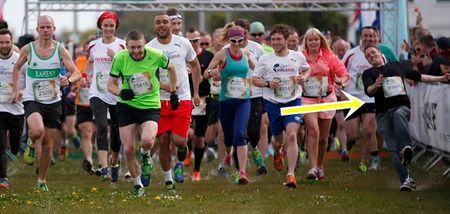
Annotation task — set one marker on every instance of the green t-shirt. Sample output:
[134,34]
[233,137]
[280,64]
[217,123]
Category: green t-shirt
[140,77]
[388,53]
[267,49]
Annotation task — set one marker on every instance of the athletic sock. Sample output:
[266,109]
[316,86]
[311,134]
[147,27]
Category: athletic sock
[198,156]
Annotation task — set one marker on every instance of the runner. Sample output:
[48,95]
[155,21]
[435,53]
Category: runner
[138,106]
[385,82]
[101,52]
[176,21]
[11,114]
[176,106]
[234,104]
[281,74]
[326,70]
[41,96]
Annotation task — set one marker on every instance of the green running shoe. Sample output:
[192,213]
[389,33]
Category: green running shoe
[138,191]
[235,178]
[256,156]
[362,167]
[147,169]
[42,187]
[30,154]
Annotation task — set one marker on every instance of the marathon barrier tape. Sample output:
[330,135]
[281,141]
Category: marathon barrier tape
[430,114]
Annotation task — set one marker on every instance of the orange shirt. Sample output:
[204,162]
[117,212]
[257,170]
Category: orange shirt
[80,62]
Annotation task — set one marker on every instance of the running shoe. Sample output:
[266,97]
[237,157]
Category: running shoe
[196,176]
[321,173]
[63,151]
[222,172]
[4,183]
[278,162]
[243,180]
[138,191]
[408,185]
[169,185]
[115,173]
[98,171]
[257,158]
[210,154]
[178,171]
[344,156]
[30,153]
[106,174]
[182,153]
[291,182]
[312,174]
[406,155]
[188,160]
[10,155]
[362,167]
[127,175]
[87,166]
[147,169]
[235,178]
[375,163]
[42,187]
[262,170]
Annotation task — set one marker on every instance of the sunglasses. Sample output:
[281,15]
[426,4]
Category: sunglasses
[236,40]
[417,50]
[194,40]
[204,44]
[257,34]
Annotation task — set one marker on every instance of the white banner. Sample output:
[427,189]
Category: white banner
[430,114]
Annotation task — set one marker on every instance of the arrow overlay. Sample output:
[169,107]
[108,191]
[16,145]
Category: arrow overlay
[353,104]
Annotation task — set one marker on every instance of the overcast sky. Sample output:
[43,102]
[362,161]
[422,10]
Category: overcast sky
[14,12]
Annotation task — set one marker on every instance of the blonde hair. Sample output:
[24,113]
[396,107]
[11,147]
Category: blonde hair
[231,25]
[315,32]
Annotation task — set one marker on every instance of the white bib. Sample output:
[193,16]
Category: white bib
[287,87]
[140,83]
[164,77]
[5,92]
[393,86]
[102,81]
[200,109]
[215,86]
[316,86]
[236,87]
[44,90]
[84,96]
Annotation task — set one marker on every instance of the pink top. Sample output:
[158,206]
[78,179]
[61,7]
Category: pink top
[327,64]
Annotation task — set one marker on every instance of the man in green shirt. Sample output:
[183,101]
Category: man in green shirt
[138,105]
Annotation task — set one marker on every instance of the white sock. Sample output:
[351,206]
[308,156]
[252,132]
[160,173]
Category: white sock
[40,181]
[144,152]
[291,174]
[168,175]
[137,181]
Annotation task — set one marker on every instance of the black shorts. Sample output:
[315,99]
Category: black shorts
[84,114]
[212,110]
[51,113]
[68,107]
[365,108]
[127,115]
[201,123]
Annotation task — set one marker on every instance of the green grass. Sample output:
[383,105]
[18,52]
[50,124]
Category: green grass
[345,191]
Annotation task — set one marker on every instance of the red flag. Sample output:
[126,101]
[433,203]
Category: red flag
[2,3]
[357,13]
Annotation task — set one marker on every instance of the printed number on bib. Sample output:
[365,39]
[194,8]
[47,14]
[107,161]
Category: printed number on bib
[140,83]
[215,86]
[5,92]
[163,76]
[200,109]
[102,81]
[287,87]
[316,86]
[393,86]
[44,90]
[84,96]
[237,87]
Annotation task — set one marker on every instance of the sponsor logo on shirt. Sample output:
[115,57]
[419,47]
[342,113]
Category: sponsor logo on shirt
[282,68]
[103,59]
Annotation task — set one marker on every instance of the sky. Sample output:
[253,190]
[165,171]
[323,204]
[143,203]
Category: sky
[14,13]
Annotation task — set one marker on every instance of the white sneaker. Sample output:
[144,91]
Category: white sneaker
[408,185]
[127,175]
[312,174]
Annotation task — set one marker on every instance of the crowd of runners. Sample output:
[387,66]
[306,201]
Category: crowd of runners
[179,95]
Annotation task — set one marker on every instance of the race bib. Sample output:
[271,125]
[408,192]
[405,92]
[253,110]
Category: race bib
[237,87]
[140,83]
[5,92]
[316,86]
[84,96]
[44,90]
[287,87]
[359,86]
[163,76]
[393,86]
[102,81]
[200,109]
[215,87]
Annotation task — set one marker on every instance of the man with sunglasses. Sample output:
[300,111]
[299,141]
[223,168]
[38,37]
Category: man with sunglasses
[257,34]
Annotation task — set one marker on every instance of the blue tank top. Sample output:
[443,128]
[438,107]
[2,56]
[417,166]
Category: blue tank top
[236,82]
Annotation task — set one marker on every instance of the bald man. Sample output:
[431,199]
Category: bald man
[41,97]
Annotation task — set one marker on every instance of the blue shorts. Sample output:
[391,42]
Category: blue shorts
[278,123]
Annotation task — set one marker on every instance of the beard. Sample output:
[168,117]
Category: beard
[5,51]
[163,34]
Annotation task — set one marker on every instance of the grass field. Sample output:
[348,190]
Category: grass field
[345,191]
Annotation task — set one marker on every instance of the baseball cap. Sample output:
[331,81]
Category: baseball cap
[257,27]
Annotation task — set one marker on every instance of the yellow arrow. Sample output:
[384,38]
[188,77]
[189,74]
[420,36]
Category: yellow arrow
[353,104]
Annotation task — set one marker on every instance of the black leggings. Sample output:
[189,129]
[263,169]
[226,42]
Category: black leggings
[254,123]
[99,109]
[13,123]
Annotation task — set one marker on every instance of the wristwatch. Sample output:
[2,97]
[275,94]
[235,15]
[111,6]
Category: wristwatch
[267,84]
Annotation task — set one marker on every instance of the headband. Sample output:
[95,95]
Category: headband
[107,15]
[178,16]
[235,33]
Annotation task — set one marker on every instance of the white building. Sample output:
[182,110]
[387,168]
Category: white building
[435,13]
